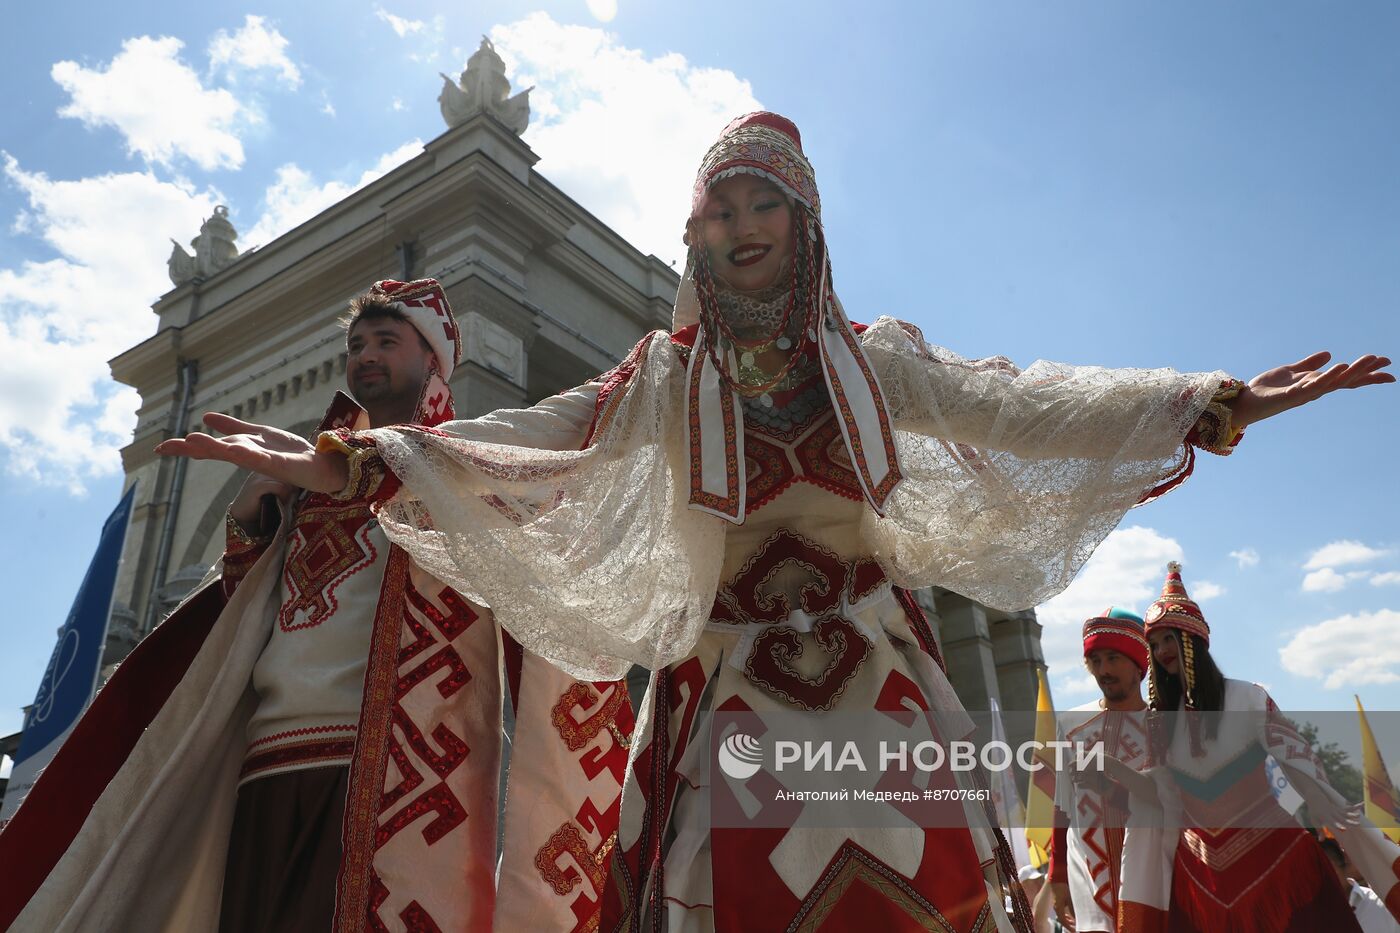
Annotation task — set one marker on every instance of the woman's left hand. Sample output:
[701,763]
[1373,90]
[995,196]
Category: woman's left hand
[1295,384]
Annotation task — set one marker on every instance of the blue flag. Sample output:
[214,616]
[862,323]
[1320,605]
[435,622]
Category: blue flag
[71,678]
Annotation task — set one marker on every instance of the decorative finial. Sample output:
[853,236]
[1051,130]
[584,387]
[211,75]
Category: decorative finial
[213,250]
[483,87]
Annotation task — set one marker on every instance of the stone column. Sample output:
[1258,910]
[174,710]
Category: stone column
[967,649]
[1018,657]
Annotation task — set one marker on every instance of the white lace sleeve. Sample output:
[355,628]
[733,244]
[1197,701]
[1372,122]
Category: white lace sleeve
[560,422]
[1012,477]
[589,557]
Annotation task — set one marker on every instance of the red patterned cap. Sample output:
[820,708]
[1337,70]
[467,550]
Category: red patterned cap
[425,305]
[1174,609]
[764,144]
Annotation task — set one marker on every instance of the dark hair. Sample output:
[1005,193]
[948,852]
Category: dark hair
[1209,694]
[370,305]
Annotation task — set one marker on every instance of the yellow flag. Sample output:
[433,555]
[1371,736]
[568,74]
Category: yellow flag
[1380,793]
[1040,801]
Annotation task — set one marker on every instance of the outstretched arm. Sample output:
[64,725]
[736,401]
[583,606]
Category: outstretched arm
[267,450]
[1295,384]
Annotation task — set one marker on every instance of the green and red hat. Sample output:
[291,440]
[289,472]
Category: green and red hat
[1120,630]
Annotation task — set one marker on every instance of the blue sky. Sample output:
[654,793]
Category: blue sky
[1192,185]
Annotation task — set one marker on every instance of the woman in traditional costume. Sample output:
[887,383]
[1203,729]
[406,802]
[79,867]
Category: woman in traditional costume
[742,505]
[1213,850]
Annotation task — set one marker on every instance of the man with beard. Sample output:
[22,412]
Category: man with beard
[321,740]
[1087,844]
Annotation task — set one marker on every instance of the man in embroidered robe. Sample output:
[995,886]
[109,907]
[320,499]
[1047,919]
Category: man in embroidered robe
[360,700]
[1086,847]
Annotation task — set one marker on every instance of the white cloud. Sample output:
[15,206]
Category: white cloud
[1127,570]
[1080,684]
[295,196]
[1387,578]
[399,24]
[158,103]
[594,98]
[1360,648]
[1203,590]
[1325,580]
[254,47]
[603,10]
[62,419]
[397,104]
[1246,557]
[1342,553]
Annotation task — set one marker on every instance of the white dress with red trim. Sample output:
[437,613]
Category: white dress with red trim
[601,557]
[609,555]
[804,623]
[1224,855]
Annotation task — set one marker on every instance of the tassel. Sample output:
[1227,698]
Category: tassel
[1188,677]
[1188,668]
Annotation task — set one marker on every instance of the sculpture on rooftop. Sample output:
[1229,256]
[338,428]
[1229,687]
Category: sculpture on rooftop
[213,250]
[483,87]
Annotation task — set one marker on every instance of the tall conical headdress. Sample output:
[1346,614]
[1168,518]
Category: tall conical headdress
[1175,609]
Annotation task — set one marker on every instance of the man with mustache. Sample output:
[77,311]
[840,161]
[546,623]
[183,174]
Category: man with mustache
[1087,844]
[328,755]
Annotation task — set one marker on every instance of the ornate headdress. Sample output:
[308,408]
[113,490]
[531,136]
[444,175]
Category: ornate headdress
[424,304]
[1176,610]
[1120,630]
[769,146]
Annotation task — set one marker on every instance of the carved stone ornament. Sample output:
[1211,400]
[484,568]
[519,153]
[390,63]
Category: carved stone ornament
[483,87]
[213,250]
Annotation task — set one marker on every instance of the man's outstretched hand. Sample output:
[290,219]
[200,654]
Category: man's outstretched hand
[263,449]
[1295,384]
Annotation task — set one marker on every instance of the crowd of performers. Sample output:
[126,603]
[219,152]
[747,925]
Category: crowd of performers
[1181,830]
[742,506]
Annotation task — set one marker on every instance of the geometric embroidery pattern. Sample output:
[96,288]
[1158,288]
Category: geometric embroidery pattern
[1101,819]
[853,865]
[329,545]
[818,455]
[406,803]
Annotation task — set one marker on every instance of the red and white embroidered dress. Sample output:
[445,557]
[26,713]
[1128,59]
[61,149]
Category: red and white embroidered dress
[749,554]
[1223,855]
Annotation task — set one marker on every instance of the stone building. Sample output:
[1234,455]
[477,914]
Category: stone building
[547,296]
